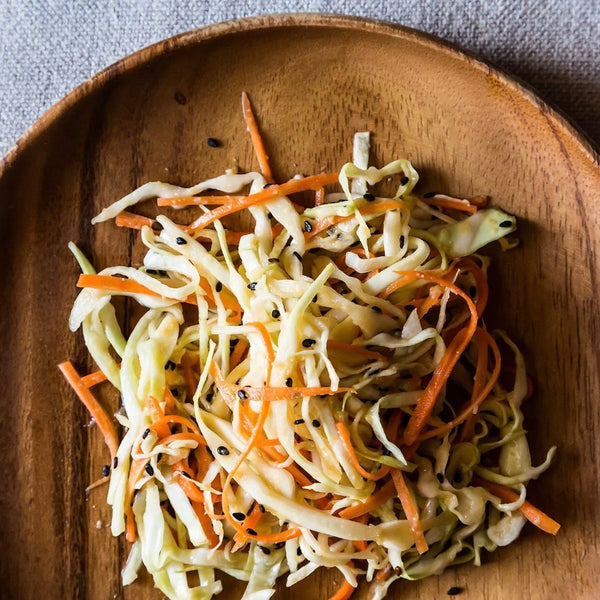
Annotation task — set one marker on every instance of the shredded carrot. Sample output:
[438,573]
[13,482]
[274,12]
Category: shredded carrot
[156,414]
[381,207]
[183,437]
[275,191]
[473,405]
[127,219]
[206,524]
[410,510]
[529,511]
[451,203]
[346,590]
[257,141]
[99,415]
[361,545]
[130,531]
[169,401]
[127,286]
[453,352]
[380,497]
[347,441]
[175,419]
[188,375]
[93,379]
[319,226]
[238,352]
[196,200]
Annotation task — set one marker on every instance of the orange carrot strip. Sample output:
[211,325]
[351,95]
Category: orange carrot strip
[453,352]
[127,219]
[451,203]
[196,200]
[130,531]
[347,441]
[354,349]
[93,379]
[187,436]
[377,207]
[257,141]
[238,352]
[346,590]
[156,413]
[473,405]
[275,191]
[410,510]
[175,419]
[118,284]
[206,524]
[529,511]
[188,375]
[361,545]
[319,226]
[380,497]
[99,415]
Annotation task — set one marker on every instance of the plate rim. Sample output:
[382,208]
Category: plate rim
[164,47]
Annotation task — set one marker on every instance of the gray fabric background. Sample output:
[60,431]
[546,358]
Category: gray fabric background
[47,47]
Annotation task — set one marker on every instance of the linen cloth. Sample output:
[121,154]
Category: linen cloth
[47,47]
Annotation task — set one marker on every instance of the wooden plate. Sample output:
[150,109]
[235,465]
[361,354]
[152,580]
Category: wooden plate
[315,80]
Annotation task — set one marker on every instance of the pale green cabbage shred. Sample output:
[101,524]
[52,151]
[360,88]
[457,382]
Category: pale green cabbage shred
[316,298]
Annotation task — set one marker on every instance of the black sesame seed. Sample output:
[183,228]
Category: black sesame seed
[261,508]
[240,516]
[385,451]
[115,462]
[454,591]
[377,309]
[212,142]
[289,382]
[106,470]
[252,285]
[175,392]
[269,215]
[308,342]
[219,286]
[440,477]
[251,531]
[209,397]
[402,242]
[275,313]
[506,224]
[180,241]
[397,570]
[308,226]
[279,545]
[299,551]
[265,550]
[158,457]
[369,197]
[146,433]
[222,451]
[316,423]
[148,468]
[297,255]
[156,226]
[314,299]
[298,421]
[404,180]
[429,194]
[472,291]
[242,394]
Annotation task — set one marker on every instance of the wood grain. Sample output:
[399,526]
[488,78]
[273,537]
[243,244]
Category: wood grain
[315,81]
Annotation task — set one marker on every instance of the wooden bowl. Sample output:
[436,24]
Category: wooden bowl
[314,80]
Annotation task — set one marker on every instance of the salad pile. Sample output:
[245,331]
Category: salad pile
[315,389]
